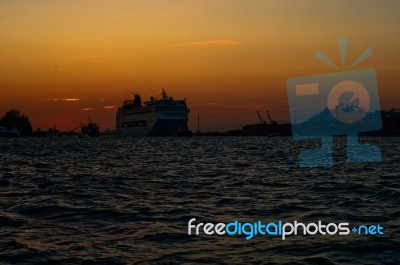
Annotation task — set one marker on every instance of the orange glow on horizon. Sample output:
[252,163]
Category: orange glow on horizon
[62,61]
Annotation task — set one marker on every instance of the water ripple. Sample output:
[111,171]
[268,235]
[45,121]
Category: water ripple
[127,201]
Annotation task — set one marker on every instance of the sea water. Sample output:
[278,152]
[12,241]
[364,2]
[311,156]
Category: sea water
[111,200]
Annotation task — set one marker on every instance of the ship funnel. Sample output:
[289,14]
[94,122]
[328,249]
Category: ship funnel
[137,100]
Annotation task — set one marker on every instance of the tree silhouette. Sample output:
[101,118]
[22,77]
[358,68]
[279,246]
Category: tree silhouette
[13,118]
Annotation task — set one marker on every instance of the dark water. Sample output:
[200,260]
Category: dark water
[128,201]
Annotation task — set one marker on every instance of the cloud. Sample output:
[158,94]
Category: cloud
[64,99]
[109,107]
[70,99]
[89,109]
[211,42]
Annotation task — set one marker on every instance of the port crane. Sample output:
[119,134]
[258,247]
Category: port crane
[261,119]
[270,120]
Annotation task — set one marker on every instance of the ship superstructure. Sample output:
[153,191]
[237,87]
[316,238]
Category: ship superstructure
[156,117]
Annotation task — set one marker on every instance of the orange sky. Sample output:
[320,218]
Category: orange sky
[228,58]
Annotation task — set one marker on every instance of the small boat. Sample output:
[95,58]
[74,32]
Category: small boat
[9,133]
[90,130]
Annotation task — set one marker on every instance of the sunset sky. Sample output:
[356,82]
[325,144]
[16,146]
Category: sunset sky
[62,61]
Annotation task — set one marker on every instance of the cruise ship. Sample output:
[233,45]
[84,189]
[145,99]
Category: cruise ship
[156,117]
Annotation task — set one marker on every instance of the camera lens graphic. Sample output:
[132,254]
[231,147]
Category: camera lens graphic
[348,101]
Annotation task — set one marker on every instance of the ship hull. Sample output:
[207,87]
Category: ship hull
[161,127]
[166,117]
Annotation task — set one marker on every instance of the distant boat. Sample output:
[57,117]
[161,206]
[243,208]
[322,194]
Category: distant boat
[156,117]
[9,133]
[90,130]
[185,133]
